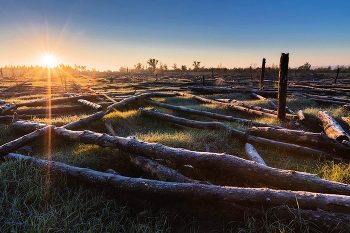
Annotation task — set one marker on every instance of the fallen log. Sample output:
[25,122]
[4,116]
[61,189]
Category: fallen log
[136,98]
[26,117]
[101,94]
[226,194]
[314,140]
[22,141]
[13,86]
[46,102]
[158,171]
[255,107]
[235,107]
[211,90]
[109,126]
[7,107]
[346,119]
[263,98]
[301,115]
[331,128]
[90,104]
[252,154]
[243,137]
[210,114]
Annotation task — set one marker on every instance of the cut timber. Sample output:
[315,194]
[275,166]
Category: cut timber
[301,115]
[210,114]
[226,194]
[157,170]
[255,107]
[331,128]
[263,98]
[56,101]
[22,141]
[314,140]
[14,86]
[7,107]
[136,98]
[89,103]
[252,154]
[109,126]
[243,109]
[240,135]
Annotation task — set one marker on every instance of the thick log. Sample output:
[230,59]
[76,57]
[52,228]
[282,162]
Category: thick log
[136,98]
[263,98]
[314,140]
[7,107]
[15,94]
[301,115]
[89,103]
[158,171]
[255,107]
[210,114]
[225,194]
[56,101]
[22,141]
[235,107]
[240,135]
[331,128]
[252,154]
[13,87]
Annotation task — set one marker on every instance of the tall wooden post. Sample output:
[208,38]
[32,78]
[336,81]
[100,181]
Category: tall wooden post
[282,86]
[335,80]
[262,73]
[212,73]
[203,80]
[251,75]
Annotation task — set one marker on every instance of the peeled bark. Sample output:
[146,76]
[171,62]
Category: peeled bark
[252,154]
[254,107]
[240,135]
[194,191]
[331,128]
[301,115]
[251,111]
[136,98]
[210,114]
[314,140]
[90,104]
[22,141]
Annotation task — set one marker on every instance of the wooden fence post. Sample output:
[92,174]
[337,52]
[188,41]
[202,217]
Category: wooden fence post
[251,75]
[203,81]
[282,86]
[335,80]
[262,73]
[212,73]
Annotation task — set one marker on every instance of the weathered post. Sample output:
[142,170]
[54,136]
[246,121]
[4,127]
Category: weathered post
[203,80]
[262,73]
[335,80]
[212,73]
[282,86]
[251,75]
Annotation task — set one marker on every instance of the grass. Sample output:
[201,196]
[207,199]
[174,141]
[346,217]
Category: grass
[35,200]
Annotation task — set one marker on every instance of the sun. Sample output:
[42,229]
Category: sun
[49,60]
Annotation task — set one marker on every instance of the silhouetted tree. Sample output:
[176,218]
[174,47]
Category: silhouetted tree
[152,63]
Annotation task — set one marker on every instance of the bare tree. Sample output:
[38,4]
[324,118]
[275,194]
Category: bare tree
[152,63]
[196,65]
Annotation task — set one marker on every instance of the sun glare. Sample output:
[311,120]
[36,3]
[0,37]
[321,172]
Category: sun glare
[49,60]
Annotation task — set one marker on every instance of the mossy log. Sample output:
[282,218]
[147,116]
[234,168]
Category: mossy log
[211,115]
[331,128]
[193,191]
[313,140]
[243,137]
[235,107]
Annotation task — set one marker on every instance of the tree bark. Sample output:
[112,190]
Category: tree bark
[331,128]
[301,115]
[243,109]
[282,86]
[255,107]
[232,165]
[314,140]
[262,76]
[90,104]
[84,121]
[210,114]
[252,154]
[226,194]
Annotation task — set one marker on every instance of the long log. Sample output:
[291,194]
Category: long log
[255,107]
[26,117]
[136,98]
[192,191]
[252,154]
[331,128]
[263,98]
[56,101]
[300,150]
[235,107]
[212,90]
[314,140]
[210,114]
[7,107]
[13,86]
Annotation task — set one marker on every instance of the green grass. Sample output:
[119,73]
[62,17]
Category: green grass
[35,200]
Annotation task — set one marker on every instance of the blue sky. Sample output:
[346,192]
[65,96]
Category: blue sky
[109,34]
